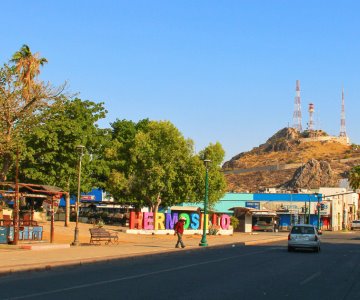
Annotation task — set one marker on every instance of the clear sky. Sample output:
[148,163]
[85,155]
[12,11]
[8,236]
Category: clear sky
[219,70]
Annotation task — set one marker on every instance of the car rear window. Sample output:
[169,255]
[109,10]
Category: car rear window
[302,230]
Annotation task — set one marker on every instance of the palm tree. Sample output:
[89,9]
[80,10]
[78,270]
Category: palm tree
[27,66]
[354,177]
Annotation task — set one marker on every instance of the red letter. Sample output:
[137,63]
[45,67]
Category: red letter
[136,220]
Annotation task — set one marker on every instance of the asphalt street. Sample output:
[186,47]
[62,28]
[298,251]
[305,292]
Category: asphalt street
[241,272]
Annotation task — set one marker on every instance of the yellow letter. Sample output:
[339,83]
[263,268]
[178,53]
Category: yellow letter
[159,221]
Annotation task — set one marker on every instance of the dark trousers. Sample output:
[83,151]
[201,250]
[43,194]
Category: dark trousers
[179,241]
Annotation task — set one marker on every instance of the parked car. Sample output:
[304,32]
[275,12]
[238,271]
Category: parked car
[355,224]
[304,236]
[263,226]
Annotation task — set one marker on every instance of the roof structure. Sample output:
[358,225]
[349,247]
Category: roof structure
[7,190]
[253,211]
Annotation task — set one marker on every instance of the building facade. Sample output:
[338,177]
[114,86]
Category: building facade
[334,208]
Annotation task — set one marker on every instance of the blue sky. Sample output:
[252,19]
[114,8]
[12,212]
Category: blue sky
[219,70]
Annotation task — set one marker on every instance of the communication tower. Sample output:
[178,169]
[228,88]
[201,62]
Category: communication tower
[297,110]
[311,119]
[342,121]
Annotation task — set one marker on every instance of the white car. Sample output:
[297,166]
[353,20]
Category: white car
[355,224]
[304,236]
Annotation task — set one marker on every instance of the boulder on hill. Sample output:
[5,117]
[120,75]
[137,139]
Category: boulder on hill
[312,175]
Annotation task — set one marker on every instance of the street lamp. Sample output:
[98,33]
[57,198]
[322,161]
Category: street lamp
[203,241]
[80,149]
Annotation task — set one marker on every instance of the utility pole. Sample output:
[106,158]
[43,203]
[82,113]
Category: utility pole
[319,209]
[52,220]
[342,120]
[16,202]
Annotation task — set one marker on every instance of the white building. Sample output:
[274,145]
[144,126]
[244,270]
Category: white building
[343,205]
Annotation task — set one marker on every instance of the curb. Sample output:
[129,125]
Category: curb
[44,247]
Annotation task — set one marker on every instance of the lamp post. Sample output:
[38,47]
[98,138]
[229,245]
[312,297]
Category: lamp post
[203,241]
[76,242]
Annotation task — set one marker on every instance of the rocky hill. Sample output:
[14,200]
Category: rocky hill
[292,160]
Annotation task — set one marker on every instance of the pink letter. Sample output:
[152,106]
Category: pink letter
[148,221]
[225,222]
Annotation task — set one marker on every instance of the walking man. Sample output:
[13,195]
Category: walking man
[179,230]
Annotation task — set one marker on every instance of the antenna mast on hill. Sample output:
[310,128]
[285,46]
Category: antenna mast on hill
[311,119]
[342,121]
[297,110]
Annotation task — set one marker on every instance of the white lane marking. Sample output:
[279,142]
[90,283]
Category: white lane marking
[86,285]
[310,278]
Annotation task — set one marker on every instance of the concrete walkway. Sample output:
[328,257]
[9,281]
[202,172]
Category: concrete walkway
[46,256]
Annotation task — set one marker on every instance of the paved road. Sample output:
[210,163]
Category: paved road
[241,272]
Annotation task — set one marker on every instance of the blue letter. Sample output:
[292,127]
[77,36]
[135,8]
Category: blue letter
[194,221]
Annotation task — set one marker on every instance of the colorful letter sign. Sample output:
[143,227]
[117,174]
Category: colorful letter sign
[160,221]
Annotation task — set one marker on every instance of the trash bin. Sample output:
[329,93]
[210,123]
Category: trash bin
[4,234]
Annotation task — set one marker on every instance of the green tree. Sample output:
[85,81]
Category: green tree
[51,157]
[22,99]
[118,157]
[354,178]
[217,182]
[163,170]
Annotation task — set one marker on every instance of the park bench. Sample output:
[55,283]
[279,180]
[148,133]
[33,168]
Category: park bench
[98,235]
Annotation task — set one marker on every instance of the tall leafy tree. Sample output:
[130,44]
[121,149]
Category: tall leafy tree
[118,157]
[354,177]
[163,170]
[22,98]
[217,183]
[152,164]
[51,156]
[27,66]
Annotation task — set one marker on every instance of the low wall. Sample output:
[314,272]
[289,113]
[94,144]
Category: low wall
[171,232]
[341,140]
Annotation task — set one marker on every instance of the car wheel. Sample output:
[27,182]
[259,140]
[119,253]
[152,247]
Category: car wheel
[290,249]
[317,249]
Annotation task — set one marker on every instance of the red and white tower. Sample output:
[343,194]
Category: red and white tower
[297,110]
[311,119]
[342,121]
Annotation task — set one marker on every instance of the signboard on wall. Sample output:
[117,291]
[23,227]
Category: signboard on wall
[87,198]
[255,205]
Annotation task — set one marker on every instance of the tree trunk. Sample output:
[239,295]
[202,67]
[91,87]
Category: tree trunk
[156,207]
[5,166]
[157,204]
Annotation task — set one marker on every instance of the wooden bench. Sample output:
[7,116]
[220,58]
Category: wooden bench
[101,235]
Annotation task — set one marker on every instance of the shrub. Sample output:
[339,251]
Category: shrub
[234,221]
[214,229]
[100,223]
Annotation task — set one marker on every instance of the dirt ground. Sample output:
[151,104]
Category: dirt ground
[65,235]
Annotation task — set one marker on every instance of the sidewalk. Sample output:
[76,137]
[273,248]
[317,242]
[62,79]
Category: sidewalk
[14,259]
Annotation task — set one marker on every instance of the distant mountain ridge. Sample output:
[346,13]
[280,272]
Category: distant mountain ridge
[290,159]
